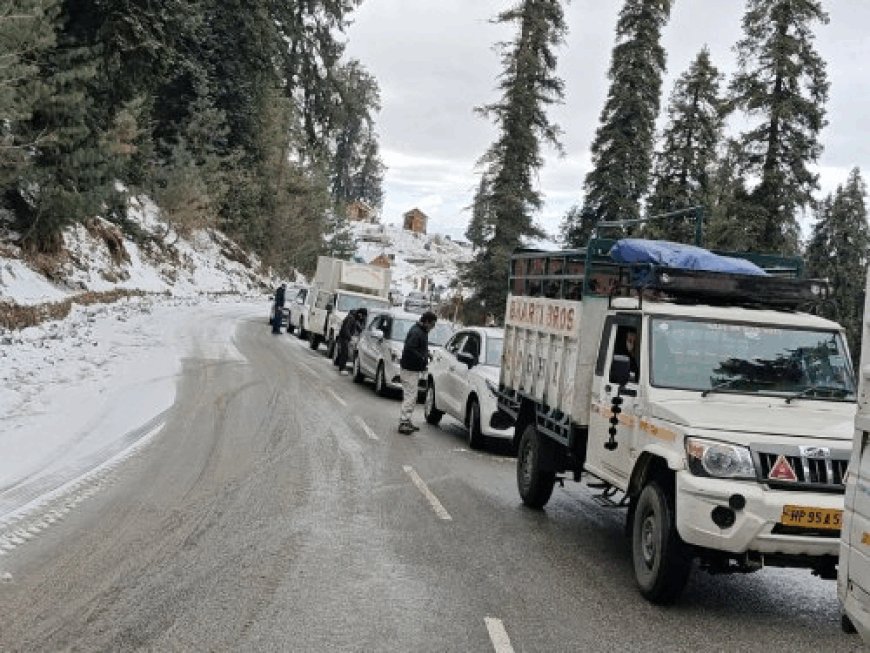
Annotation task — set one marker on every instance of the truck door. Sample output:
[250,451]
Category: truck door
[621,336]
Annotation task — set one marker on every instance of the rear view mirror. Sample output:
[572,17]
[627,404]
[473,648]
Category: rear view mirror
[620,370]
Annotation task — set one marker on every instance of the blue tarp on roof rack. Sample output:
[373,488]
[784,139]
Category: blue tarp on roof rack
[675,255]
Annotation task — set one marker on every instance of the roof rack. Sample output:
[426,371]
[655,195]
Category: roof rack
[574,273]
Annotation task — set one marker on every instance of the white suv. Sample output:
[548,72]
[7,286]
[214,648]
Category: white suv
[379,349]
[463,380]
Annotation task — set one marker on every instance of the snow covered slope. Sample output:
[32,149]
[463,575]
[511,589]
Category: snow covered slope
[413,256]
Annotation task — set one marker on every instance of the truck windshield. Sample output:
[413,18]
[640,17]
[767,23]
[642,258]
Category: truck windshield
[749,359]
[347,303]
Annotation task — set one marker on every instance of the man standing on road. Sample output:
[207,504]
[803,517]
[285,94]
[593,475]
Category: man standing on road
[277,313]
[351,326]
[415,359]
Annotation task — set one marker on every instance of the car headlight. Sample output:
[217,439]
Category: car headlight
[493,388]
[719,459]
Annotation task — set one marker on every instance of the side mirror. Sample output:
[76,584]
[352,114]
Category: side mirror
[620,370]
[378,334]
[469,359]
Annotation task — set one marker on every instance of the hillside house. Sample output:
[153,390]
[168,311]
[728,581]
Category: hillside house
[360,211]
[415,220]
[383,260]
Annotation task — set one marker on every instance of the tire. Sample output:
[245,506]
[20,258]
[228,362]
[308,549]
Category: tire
[430,411]
[314,341]
[661,561]
[535,484]
[330,348]
[380,381]
[357,374]
[847,626]
[475,437]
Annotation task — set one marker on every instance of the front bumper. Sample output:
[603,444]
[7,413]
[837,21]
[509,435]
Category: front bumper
[753,529]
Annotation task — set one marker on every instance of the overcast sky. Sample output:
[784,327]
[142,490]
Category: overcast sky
[434,60]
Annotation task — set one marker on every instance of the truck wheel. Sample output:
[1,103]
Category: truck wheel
[661,561]
[314,341]
[846,625]
[535,484]
[380,381]
[358,376]
[430,412]
[475,437]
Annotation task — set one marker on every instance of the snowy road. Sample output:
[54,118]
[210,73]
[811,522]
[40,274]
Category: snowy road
[258,513]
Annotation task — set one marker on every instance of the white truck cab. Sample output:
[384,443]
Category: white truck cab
[724,428]
[853,579]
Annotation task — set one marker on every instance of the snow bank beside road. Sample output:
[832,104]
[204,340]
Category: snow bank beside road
[72,392]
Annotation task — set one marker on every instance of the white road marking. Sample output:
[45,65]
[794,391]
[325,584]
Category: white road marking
[430,497]
[498,635]
[336,397]
[365,427]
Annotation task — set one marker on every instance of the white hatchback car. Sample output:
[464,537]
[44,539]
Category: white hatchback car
[462,382]
[379,349]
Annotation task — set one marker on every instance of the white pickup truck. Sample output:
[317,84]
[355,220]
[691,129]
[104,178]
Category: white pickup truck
[340,287]
[724,428]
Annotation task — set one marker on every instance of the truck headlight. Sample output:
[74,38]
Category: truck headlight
[719,459]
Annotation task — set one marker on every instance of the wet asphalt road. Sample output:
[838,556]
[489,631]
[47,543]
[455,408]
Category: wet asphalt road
[269,516]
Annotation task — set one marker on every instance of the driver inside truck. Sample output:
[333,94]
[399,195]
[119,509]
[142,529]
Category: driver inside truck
[627,344]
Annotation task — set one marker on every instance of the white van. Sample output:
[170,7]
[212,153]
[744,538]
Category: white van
[853,580]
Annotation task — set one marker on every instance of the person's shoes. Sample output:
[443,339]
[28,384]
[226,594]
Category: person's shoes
[406,428]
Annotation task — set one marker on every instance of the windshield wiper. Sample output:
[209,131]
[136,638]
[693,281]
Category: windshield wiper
[815,388]
[720,385]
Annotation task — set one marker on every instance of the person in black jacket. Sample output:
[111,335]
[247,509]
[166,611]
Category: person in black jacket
[277,311]
[415,359]
[351,326]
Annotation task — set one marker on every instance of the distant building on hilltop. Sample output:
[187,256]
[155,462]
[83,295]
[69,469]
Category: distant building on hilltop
[360,211]
[415,220]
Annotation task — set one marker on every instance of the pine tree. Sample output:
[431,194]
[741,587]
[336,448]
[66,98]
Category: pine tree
[623,146]
[368,180]
[27,28]
[529,85]
[479,231]
[838,251]
[728,199]
[578,226]
[684,163]
[72,171]
[782,84]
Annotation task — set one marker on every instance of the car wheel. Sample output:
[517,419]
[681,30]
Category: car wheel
[661,562]
[475,437]
[380,381]
[534,483]
[358,376]
[430,411]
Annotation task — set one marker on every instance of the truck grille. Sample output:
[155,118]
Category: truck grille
[812,472]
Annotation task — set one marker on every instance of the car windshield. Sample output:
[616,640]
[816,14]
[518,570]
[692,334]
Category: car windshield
[493,351]
[351,302]
[750,359]
[437,336]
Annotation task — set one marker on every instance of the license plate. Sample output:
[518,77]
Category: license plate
[829,519]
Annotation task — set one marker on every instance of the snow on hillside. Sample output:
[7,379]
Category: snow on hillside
[414,256]
[100,258]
